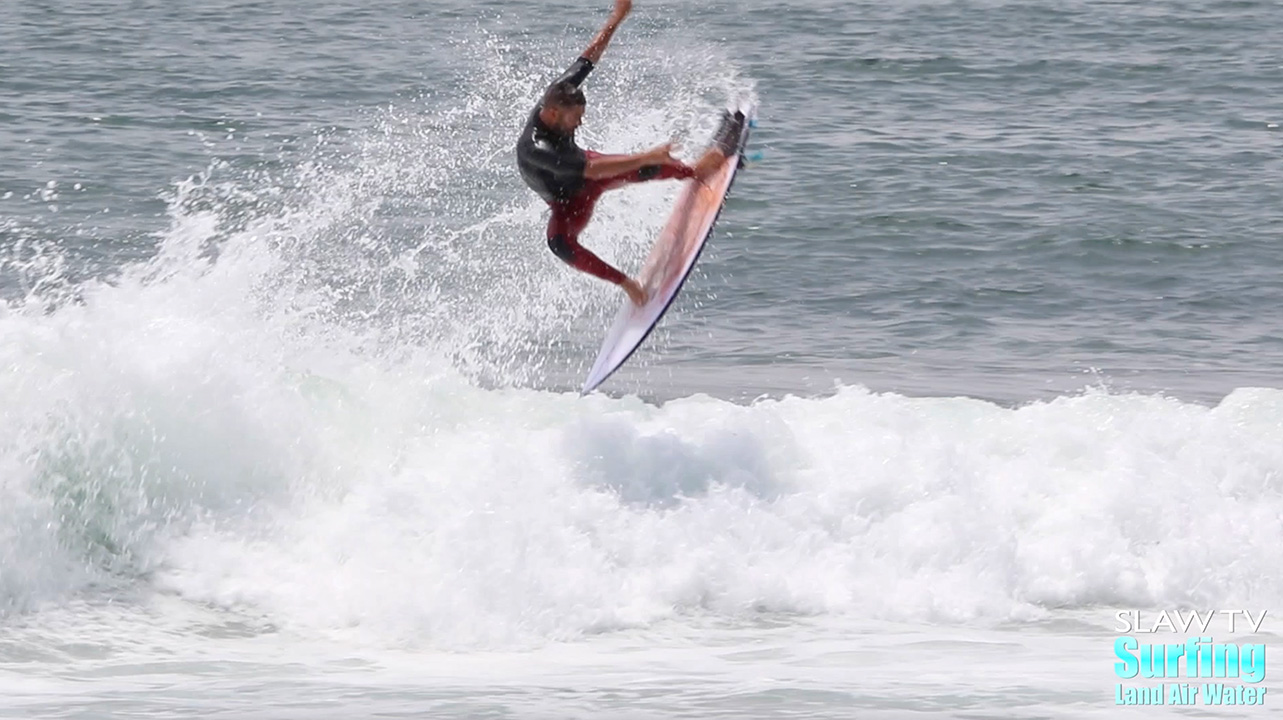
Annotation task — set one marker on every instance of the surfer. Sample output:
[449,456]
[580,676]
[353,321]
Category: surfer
[571,179]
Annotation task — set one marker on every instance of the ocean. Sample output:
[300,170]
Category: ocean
[985,351]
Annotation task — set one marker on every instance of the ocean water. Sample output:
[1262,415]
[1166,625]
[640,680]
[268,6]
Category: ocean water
[986,349]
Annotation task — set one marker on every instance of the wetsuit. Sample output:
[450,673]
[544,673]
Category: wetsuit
[553,166]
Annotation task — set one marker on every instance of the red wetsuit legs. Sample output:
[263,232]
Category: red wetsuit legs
[567,221]
[569,218]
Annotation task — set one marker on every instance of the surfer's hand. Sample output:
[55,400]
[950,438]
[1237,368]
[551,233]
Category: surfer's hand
[622,8]
[663,155]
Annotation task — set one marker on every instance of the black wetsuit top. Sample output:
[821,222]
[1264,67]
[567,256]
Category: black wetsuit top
[550,161]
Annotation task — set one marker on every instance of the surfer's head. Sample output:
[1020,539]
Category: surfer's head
[563,107]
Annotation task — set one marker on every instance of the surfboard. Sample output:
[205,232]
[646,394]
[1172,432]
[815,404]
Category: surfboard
[671,258]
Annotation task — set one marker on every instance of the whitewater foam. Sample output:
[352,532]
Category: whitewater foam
[611,513]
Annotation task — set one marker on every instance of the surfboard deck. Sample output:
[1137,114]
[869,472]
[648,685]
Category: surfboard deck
[671,259]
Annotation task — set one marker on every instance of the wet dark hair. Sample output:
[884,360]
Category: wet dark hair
[564,95]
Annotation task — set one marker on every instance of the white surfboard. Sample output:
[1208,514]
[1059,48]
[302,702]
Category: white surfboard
[670,261]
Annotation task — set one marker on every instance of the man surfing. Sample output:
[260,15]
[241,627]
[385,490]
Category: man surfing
[571,180]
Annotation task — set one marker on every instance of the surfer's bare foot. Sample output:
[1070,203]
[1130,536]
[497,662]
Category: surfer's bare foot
[708,164]
[635,292]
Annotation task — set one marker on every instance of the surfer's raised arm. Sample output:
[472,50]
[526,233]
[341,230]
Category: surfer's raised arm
[599,43]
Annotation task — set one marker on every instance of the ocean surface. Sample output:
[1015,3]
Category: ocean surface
[986,348]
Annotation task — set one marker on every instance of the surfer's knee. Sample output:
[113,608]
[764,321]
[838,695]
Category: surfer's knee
[561,246]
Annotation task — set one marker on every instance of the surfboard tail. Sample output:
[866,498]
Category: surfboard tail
[728,133]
